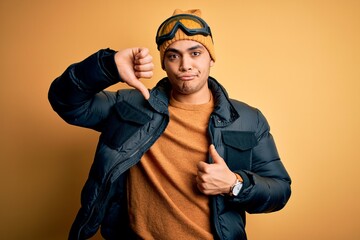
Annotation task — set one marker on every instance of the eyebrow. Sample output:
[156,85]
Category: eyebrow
[189,49]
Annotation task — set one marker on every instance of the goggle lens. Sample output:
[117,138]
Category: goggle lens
[189,24]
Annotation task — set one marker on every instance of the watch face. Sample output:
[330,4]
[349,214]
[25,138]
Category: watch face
[237,189]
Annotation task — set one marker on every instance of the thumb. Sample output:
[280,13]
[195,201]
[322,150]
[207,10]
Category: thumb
[130,78]
[141,87]
[215,155]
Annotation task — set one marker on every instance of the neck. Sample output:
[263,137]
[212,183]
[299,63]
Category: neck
[196,98]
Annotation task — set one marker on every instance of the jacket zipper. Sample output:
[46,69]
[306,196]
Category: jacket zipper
[127,166]
[213,200]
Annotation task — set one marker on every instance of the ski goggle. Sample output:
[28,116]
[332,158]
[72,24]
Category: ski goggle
[190,24]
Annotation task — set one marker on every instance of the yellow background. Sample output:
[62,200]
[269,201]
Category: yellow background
[297,61]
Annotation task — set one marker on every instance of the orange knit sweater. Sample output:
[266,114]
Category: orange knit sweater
[164,202]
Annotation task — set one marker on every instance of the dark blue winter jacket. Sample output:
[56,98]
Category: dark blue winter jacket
[129,125]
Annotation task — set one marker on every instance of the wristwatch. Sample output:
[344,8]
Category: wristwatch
[236,187]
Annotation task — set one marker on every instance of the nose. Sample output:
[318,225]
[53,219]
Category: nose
[186,64]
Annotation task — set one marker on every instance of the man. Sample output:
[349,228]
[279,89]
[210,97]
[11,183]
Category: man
[182,161]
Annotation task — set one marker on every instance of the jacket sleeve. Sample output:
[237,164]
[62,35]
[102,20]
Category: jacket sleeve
[267,185]
[78,95]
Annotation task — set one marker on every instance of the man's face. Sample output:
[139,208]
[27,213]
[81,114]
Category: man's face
[187,64]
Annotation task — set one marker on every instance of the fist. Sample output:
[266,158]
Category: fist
[133,64]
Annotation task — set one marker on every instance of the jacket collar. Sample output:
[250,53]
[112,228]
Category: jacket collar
[224,112]
[160,96]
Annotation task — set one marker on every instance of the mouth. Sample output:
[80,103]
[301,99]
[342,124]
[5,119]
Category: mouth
[186,77]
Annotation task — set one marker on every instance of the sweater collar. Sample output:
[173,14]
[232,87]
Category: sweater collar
[224,112]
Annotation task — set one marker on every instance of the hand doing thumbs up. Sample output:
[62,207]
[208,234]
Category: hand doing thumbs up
[215,178]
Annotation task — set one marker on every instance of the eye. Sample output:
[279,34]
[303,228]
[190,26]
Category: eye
[195,54]
[172,56]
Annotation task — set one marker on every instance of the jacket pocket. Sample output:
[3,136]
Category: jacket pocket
[123,121]
[238,149]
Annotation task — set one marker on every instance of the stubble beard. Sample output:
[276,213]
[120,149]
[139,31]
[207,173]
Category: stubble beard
[186,88]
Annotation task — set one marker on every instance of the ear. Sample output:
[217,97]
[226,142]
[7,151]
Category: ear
[212,63]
